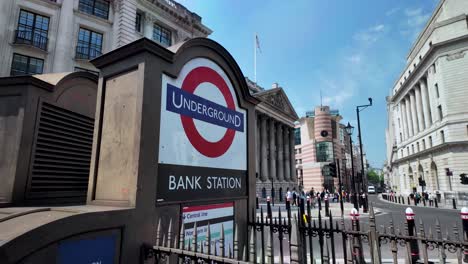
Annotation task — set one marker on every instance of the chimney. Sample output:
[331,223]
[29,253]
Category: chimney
[274,85]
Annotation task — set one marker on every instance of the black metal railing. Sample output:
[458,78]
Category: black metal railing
[87,53]
[32,38]
[303,236]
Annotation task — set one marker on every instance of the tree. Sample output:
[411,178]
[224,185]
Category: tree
[374,178]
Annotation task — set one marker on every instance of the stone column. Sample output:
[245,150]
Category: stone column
[425,103]
[272,150]
[287,149]
[414,115]
[402,120]
[65,39]
[409,119]
[419,108]
[292,156]
[258,144]
[263,149]
[280,155]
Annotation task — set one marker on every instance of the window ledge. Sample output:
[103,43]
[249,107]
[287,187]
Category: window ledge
[47,3]
[102,21]
[30,47]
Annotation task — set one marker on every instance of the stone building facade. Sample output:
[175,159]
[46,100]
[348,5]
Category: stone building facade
[48,36]
[320,140]
[427,134]
[276,173]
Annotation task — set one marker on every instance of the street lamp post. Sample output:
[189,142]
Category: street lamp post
[360,108]
[349,131]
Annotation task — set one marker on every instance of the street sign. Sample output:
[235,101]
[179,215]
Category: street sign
[203,139]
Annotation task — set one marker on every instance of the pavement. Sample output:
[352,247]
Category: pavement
[444,204]
[334,208]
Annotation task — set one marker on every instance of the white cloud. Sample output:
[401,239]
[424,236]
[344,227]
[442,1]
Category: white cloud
[414,22]
[355,59]
[370,35]
[392,11]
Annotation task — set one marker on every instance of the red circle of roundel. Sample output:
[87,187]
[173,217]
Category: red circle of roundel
[192,80]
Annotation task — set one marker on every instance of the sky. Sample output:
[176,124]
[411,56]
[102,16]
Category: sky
[348,50]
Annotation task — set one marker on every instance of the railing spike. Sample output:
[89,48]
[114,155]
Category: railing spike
[221,241]
[236,242]
[164,240]
[252,245]
[158,233]
[202,247]
[169,234]
[195,238]
[244,254]
[455,232]
[182,237]
[230,252]
[208,238]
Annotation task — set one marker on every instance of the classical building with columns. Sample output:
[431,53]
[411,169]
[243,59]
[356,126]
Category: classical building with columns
[320,140]
[276,170]
[50,36]
[427,134]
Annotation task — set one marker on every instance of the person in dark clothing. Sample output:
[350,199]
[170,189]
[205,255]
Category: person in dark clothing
[294,198]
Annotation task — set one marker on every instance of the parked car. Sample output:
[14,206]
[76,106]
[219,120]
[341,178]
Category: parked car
[371,190]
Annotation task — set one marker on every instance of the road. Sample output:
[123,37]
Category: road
[386,211]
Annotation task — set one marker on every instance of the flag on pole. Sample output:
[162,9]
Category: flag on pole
[258,43]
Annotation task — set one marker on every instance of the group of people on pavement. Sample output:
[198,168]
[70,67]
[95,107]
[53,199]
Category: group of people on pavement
[419,197]
[325,195]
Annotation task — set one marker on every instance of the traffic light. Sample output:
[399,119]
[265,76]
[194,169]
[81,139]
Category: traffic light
[332,168]
[448,172]
[463,178]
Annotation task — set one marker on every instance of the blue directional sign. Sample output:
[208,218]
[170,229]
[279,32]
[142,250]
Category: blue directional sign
[98,250]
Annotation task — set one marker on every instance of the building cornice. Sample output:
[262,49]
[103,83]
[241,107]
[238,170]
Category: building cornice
[184,18]
[431,150]
[421,68]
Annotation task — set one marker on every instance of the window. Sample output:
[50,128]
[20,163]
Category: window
[407,151]
[436,86]
[324,151]
[297,136]
[417,146]
[434,68]
[86,70]
[24,65]
[162,35]
[138,20]
[99,8]
[401,137]
[401,153]
[439,108]
[424,144]
[412,148]
[32,30]
[430,141]
[89,44]
[442,136]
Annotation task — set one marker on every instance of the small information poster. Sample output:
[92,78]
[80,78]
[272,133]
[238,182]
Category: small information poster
[216,215]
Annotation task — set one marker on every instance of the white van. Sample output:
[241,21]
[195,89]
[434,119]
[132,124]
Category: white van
[371,190]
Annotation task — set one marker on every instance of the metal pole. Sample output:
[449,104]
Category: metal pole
[364,187]
[356,206]
[340,188]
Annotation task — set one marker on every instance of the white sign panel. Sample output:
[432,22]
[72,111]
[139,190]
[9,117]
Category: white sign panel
[202,124]
[218,216]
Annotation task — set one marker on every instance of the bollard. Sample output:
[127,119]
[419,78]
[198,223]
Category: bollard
[357,252]
[424,201]
[436,203]
[327,206]
[464,217]
[256,202]
[454,203]
[269,213]
[413,242]
[415,201]
[409,201]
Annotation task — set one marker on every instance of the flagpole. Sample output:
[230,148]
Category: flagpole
[255,58]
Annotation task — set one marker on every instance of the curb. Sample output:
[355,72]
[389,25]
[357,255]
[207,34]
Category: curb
[412,205]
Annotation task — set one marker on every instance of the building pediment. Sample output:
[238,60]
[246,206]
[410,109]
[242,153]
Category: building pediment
[276,100]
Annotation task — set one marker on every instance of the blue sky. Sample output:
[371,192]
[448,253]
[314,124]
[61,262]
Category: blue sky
[349,49]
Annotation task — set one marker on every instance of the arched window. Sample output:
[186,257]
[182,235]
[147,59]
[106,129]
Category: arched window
[263,192]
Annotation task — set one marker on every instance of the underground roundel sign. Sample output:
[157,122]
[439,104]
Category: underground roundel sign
[201,121]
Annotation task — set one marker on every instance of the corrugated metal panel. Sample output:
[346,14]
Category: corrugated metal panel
[62,155]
